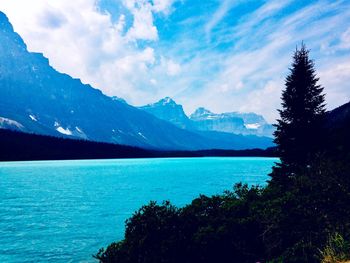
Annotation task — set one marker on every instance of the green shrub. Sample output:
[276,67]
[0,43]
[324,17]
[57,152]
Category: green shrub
[336,250]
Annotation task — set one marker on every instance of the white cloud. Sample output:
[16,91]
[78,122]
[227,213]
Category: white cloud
[121,23]
[172,68]
[153,81]
[142,27]
[163,6]
[219,14]
[335,79]
[265,99]
[345,40]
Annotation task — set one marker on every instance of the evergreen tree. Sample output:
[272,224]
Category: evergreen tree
[299,130]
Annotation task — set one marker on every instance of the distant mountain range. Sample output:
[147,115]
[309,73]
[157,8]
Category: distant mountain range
[17,146]
[205,120]
[35,98]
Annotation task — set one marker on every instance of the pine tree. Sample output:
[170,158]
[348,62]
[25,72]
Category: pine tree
[298,134]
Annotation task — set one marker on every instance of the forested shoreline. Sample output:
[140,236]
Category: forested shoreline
[19,146]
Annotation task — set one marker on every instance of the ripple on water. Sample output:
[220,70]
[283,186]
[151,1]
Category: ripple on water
[64,211]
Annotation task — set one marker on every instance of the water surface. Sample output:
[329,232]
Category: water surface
[64,211]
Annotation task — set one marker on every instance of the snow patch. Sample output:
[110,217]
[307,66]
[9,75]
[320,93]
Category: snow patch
[252,126]
[63,131]
[167,100]
[5,123]
[78,129]
[212,117]
[143,136]
[32,117]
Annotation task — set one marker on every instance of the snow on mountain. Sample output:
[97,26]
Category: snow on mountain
[64,131]
[32,117]
[205,120]
[231,122]
[6,123]
[252,126]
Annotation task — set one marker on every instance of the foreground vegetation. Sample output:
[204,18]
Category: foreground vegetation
[302,215]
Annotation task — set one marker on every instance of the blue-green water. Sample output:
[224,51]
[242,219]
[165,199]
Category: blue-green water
[64,211]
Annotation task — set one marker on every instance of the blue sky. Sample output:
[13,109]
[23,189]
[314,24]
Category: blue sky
[227,55]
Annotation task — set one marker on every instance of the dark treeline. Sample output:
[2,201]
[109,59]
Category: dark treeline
[19,146]
[302,215]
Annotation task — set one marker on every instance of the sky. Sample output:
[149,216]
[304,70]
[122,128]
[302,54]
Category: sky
[224,55]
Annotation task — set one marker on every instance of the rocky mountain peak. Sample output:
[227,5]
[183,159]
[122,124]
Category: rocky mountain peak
[200,113]
[167,101]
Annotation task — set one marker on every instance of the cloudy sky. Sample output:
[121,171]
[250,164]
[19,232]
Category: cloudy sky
[225,55]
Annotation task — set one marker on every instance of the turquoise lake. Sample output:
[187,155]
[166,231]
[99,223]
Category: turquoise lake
[64,211]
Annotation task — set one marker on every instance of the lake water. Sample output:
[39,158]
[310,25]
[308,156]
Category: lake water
[64,211]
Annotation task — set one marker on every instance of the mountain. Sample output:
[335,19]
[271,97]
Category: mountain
[204,120]
[339,117]
[167,109]
[338,130]
[231,122]
[36,98]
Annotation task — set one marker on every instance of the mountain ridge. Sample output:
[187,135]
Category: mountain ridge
[203,119]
